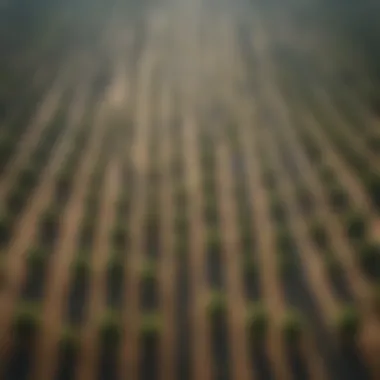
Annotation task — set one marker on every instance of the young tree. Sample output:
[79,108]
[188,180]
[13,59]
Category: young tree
[257,322]
[150,328]
[292,327]
[356,226]
[318,234]
[347,324]
[110,330]
[69,341]
[216,306]
[26,321]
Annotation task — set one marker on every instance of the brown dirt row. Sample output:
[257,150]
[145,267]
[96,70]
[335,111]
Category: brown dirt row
[347,178]
[310,260]
[167,259]
[245,111]
[313,267]
[44,114]
[59,275]
[96,300]
[354,139]
[25,234]
[232,266]
[267,261]
[334,227]
[315,366]
[139,154]
[200,349]
[231,253]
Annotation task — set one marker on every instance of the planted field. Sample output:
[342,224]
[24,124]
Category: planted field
[193,193]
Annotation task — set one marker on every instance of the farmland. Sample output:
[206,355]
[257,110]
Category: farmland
[189,190]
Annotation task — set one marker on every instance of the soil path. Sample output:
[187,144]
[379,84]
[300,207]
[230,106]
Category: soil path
[139,155]
[29,141]
[167,259]
[96,300]
[232,265]
[25,233]
[59,273]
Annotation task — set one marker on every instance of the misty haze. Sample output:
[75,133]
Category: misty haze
[189,190]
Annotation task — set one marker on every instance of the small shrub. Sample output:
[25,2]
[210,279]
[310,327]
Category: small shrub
[338,198]
[347,324]
[16,200]
[81,269]
[318,234]
[278,210]
[26,321]
[119,236]
[305,199]
[115,269]
[216,306]
[68,341]
[110,330]
[149,272]
[249,266]
[214,244]
[327,175]
[49,223]
[369,257]
[284,240]
[36,261]
[372,183]
[292,327]
[373,143]
[257,322]
[6,224]
[28,177]
[150,327]
[376,298]
[332,264]
[356,226]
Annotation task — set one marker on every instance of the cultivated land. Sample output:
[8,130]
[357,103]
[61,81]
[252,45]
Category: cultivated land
[193,194]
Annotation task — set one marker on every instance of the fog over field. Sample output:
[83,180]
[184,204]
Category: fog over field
[189,190]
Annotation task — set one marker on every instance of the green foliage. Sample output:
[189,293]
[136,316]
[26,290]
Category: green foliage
[278,211]
[318,234]
[292,327]
[372,183]
[284,240]
[249,266]
[119,236]
[151,326]
[110,330]
[36,260]
[81,269]
[369,257]
[257,321]
[327,175]
[149,271]
[214,243]
[6,224]
[376,298]
[373,143]
[69,341]
[26,321]
[28,177]
[338,198]
[216,306]
[356,226]
[347,324]
[332,264]
[115,268]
